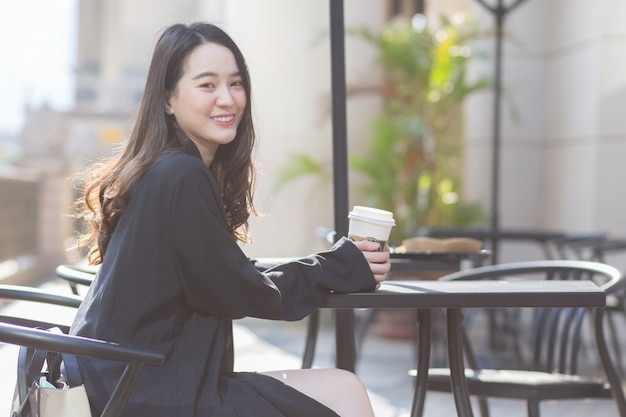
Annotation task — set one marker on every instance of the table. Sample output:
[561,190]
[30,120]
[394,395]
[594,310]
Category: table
[413,262]
[453,296]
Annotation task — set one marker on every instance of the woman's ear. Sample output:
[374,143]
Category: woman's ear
[168,106]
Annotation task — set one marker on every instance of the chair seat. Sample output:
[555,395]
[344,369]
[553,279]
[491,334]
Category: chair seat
[522,384]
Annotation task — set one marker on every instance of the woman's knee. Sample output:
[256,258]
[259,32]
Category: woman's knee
[345,393]
[344,379]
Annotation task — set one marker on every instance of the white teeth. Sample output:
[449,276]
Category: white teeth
[223,118]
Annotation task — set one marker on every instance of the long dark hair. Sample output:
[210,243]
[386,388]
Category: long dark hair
[107,185]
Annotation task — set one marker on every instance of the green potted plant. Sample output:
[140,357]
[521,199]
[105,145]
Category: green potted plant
[413,162]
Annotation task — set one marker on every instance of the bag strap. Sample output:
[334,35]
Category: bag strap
[69,367]
[71,371]
[25,404]
[53,361]
[29,367]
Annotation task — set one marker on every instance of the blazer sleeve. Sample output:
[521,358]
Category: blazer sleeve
[218,279]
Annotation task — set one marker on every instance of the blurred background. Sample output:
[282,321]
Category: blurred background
[421,113]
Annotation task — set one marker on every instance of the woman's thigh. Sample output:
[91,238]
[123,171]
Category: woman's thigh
[341,391]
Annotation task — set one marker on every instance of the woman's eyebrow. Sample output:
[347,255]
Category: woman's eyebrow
[213,74]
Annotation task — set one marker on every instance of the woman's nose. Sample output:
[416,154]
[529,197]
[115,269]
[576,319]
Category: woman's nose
[225,97]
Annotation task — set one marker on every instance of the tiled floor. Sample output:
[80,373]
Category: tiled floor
[383,366]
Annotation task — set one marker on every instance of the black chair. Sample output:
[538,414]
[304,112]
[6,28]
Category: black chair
[76,275]
[30,334]
[578,247]
[553,372]
[30,294]
[600,250]
[62,343]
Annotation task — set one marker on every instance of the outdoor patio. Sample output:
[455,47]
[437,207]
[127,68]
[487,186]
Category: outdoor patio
[384,364]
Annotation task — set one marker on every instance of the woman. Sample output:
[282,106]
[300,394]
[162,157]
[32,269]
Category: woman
[166,214]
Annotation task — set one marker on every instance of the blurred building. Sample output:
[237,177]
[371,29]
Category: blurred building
[562,130]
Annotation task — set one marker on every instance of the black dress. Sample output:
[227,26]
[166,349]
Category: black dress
[172,281]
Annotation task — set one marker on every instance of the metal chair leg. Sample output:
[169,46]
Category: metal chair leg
[532,406]
[423,362]
[311,340]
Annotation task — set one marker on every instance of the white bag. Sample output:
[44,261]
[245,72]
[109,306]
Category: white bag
[48,374]
[46,400]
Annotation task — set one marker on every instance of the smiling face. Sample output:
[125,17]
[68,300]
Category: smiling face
[209,99]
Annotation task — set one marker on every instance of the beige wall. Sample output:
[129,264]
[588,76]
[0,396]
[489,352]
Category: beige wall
[561,157]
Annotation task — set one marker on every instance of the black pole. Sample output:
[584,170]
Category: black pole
[497,134]
[339,128]
[344,318]
[499,12]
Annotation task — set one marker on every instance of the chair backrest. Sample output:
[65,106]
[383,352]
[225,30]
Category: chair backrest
[576,247]
[606,250]
[556,332]
[134,359]
[43,297]
[77,275]
[19,330]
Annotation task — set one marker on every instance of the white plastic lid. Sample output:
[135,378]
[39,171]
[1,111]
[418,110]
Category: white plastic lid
[372,215]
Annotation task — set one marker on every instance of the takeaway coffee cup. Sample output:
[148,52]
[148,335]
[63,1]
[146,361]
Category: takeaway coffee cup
[370,224]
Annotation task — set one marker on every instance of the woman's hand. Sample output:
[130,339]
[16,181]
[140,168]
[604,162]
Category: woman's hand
[379,261]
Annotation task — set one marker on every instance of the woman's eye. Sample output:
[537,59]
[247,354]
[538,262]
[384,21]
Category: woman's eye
[207,85]
[237,84]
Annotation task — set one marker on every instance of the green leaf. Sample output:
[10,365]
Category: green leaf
[300,165]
